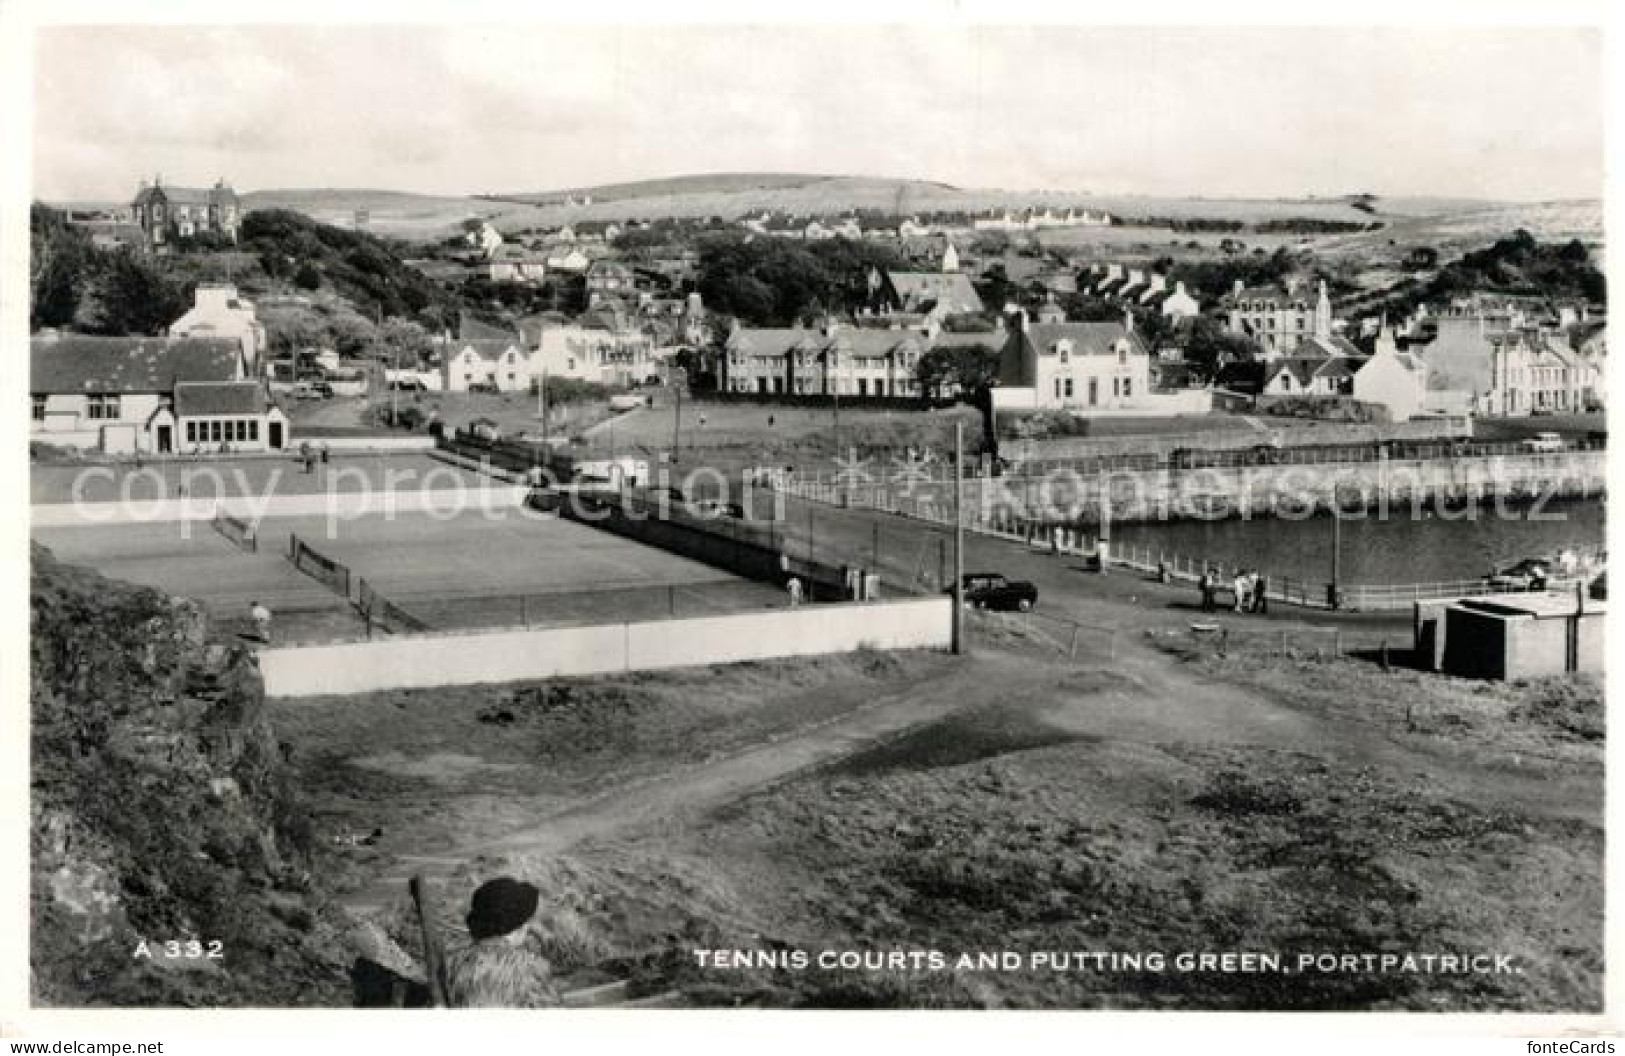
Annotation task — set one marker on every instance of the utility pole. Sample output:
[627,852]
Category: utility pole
[1336,591]
[958,637]
[677,378]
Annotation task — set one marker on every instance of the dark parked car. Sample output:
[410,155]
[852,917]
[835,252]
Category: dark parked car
[989,590]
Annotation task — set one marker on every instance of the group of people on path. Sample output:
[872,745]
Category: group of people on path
[1249,589]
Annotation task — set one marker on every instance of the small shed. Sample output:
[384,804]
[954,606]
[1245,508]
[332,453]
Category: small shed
[1514,636]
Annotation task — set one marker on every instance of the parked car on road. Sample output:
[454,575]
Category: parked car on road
[304,390]
[1529,574]
[488,387]
[990,590]
[1545,442]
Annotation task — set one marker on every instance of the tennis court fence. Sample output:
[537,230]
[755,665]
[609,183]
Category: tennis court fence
[319,566]
[379,611]
[239,531]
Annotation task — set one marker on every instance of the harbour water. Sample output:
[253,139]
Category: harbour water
[1400,549]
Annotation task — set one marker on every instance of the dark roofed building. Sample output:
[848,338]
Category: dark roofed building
[932,293]
[165,213]
[162,395]
[75,363]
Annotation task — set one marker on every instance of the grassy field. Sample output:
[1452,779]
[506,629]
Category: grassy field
[1285,807]
[732,435]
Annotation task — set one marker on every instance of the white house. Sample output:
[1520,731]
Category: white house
[833,360]
[1393,379]
[572,260]
[158,395]
[485,361]
[595,348]
[512,263]
[1180,304]
[1083,367]
[481,235]
[1315,368]
[219,311]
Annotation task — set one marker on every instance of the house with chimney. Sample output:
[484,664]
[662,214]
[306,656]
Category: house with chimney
[832,360]
[1392,379]
[157,395]
[166,213]
[218,310]
[1279,318]
[1080,367]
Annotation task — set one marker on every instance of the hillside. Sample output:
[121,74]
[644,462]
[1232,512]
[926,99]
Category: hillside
[732,195]
[162,811]
[701,183]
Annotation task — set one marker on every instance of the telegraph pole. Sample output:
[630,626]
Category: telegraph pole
[1334,600]
[959,540]
[678,377]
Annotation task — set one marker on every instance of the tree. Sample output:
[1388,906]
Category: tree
[1210,346]
[402,341]
[966,368]
[61,258]
[133,297]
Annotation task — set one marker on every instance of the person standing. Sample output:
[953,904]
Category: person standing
[261,618]
[1261,594]
[496,970]
[1205,585]
[794,589]
[1239,585]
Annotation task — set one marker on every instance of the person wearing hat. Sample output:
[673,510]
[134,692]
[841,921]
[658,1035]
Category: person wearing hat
[496,970]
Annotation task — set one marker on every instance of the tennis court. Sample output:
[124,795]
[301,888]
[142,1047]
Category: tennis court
[509,569]
[193,560]
[446,572]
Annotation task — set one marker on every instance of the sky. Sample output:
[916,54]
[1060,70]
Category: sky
[1513,114]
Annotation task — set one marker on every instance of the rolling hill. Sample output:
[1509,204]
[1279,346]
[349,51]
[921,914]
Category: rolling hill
[1454,222]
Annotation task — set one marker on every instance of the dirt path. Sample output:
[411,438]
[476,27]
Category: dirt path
[711,785]
[1161,702]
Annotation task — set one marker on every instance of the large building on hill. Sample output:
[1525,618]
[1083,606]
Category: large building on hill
[1279,318]
[149,394]
[165,213]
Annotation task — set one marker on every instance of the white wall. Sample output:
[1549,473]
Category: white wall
[423,661]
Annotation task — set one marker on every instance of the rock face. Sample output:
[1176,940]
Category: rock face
[169,851]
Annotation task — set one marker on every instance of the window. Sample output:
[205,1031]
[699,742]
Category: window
[102,407]
[191,432]
[1069,388]
[1057,388]
[39,408]
[242,429]
[253,429]
[214,432]
[1115,386]
[1128,387]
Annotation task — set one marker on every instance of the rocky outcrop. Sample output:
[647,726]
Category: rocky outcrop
[169,851]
